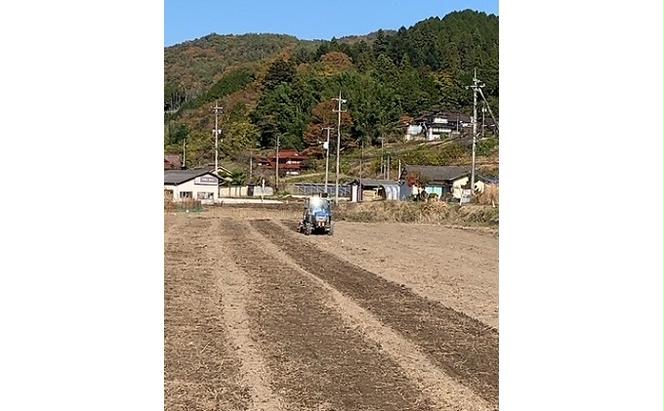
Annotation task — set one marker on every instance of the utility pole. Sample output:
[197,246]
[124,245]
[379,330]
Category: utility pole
[387,167]
[340,101]
[399,175]
[483,111]
[477,85]
[251,165]
[382,157]
[184,153]
[217,109]
[327,156]
[360,191]
[276,167]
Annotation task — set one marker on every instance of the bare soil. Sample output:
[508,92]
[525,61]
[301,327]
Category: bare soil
[455,266]
[463,346]
[200,372]
[258,317]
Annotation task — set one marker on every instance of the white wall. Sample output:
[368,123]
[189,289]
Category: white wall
[268,191]
[456,187]
[233,191]
[241,191]
[457,184]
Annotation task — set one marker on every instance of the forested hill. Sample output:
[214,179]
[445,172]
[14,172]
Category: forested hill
[276,85]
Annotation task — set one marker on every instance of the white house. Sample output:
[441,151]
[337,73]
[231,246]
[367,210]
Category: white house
[441,180]
[197,184]
[437,126]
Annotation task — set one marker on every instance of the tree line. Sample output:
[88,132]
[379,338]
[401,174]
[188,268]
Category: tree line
[387,81]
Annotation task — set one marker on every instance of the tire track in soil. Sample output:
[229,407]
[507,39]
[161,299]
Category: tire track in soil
[200,373]
[445,392]
[464,347]
[317,362]
[233,280]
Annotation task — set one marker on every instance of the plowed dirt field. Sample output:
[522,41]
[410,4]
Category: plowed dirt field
[259,317]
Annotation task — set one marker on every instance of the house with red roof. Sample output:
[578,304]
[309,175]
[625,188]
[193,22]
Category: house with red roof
[291,162]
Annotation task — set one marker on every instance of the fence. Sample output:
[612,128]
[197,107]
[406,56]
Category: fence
[309,189]
[244,191]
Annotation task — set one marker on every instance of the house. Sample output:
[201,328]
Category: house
[172,162]
[437,126]
[291,162]
[441,180]
[198,184]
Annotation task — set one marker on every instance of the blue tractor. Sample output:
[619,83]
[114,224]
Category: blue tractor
[317,217]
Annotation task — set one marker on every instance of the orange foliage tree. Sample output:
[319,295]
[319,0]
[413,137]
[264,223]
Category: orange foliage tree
[335,62]
[322,115]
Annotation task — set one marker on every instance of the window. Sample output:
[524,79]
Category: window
[185,194]
[201,195]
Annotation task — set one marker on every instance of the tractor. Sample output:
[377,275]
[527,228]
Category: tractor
[317,217]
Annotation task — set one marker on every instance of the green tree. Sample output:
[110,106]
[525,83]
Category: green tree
[279,72]
[239,136]
[177,135]
[279,113]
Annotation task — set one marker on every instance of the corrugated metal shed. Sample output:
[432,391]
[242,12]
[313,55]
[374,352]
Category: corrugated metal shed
[390,187]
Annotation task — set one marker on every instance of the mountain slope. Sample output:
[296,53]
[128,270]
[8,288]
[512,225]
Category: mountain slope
[195,65]
[276,86]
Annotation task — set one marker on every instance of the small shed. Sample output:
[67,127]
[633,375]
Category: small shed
[384,189]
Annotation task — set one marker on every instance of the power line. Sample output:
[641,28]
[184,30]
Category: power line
[489,108]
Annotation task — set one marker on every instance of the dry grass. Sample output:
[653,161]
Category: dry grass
[489,196]
[184,205]
[434,212]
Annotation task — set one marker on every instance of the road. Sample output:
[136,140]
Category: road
[258,317]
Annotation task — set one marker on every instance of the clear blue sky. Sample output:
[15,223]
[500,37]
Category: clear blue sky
[305,19]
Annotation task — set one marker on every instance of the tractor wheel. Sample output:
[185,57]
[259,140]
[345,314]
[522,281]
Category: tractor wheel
[307,230]
[331,230]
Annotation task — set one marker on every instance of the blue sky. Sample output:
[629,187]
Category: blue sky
[187,20]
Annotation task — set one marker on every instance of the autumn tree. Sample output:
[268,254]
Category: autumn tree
[335,62]
[322,115]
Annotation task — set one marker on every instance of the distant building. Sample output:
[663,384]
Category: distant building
[291,162]
[371,190]
[441,180]
[197,184]
[172,162]
[437,126]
